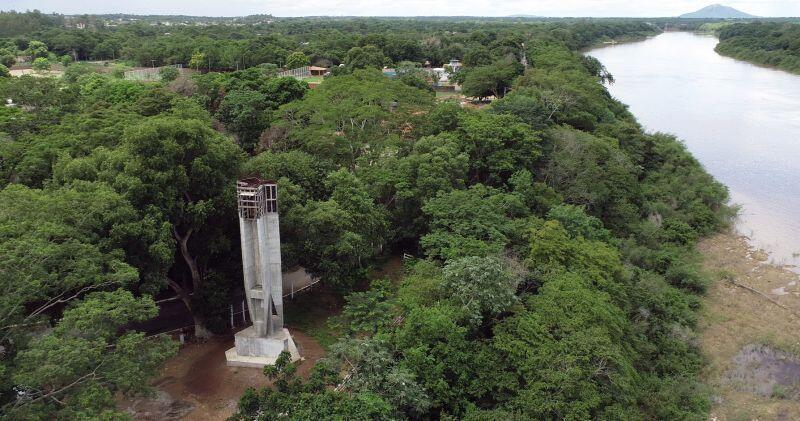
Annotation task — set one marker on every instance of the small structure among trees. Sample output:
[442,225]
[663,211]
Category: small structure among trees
[304,72]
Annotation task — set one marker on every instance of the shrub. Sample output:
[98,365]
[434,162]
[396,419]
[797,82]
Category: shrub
[41,64]
[168,74]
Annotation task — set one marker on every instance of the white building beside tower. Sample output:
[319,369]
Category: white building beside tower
[261,343]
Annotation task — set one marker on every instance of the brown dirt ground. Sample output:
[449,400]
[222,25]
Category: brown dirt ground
[734,317]
[196,384]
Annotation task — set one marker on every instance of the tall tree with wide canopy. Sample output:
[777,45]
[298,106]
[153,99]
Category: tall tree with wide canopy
[181,175]
[184,173]
[355,117]
[61,247]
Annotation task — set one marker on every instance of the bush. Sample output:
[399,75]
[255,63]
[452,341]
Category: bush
[118,71]
[41,64]
[168,74]
[7,58]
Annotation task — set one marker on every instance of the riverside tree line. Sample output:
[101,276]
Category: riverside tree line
[775,44]
[553,272]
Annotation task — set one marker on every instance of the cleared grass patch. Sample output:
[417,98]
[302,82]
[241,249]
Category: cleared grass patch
[315,312]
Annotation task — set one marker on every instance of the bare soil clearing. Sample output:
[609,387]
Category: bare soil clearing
[196,384]
[752,341]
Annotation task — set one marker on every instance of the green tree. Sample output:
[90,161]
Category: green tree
[593,172]
[352,118]
[370,310]
[65,247]
[446,358]
[478,221]
[478,56]
[198,59]
[341,235]
[364,57]
[36,49]
[578,223]
[41,64]
[526,107]
[482,286]
[179,173]
[319,397]
[168,74]
[498,145]
[75,71]
[436,164]
[372,369]
[74,371]
[4,72]
[296,59]
[245,114]
[66,60]
[569,354]
[7,57]
[492,80]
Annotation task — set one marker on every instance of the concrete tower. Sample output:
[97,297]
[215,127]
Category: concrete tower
[259,228]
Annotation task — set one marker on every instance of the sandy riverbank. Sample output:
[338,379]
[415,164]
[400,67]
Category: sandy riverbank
[751,341]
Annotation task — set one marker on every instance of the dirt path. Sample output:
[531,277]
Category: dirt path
[197,385]
[751,342]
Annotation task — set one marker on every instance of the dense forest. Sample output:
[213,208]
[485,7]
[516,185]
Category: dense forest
[325,41]
[550,270]
[767,43]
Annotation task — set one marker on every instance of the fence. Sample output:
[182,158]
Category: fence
[295,282]
[148,75]
[299,73]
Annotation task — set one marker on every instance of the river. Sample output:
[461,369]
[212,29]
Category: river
[740,120]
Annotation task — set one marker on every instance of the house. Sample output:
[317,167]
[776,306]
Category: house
[454,65]
[317,71]
[438,75]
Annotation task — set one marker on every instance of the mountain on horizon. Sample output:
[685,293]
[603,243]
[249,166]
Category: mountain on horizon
[717,11]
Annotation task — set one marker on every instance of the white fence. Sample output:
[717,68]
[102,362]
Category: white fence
[148,75]
[299,73]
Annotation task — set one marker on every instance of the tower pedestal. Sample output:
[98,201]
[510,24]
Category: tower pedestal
[252,350]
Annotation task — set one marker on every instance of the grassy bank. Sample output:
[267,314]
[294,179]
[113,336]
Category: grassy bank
[744,333]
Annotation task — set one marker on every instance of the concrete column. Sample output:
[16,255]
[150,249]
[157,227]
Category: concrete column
[250,271]
[275,273]
[264,272]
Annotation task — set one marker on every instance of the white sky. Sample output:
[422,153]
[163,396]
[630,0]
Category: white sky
[597,8]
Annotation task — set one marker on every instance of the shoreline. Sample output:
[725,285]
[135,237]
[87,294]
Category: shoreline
[618,41]
[734,319]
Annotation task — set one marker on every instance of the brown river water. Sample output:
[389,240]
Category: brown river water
[740,120]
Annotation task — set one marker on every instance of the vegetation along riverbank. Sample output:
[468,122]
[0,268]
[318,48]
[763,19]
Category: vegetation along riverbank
[550,267]
[774,44]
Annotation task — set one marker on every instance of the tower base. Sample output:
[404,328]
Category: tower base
[252,350]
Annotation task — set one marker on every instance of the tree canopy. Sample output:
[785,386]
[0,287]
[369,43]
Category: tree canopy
[547,239]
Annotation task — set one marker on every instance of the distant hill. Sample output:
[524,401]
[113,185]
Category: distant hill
[717,11]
